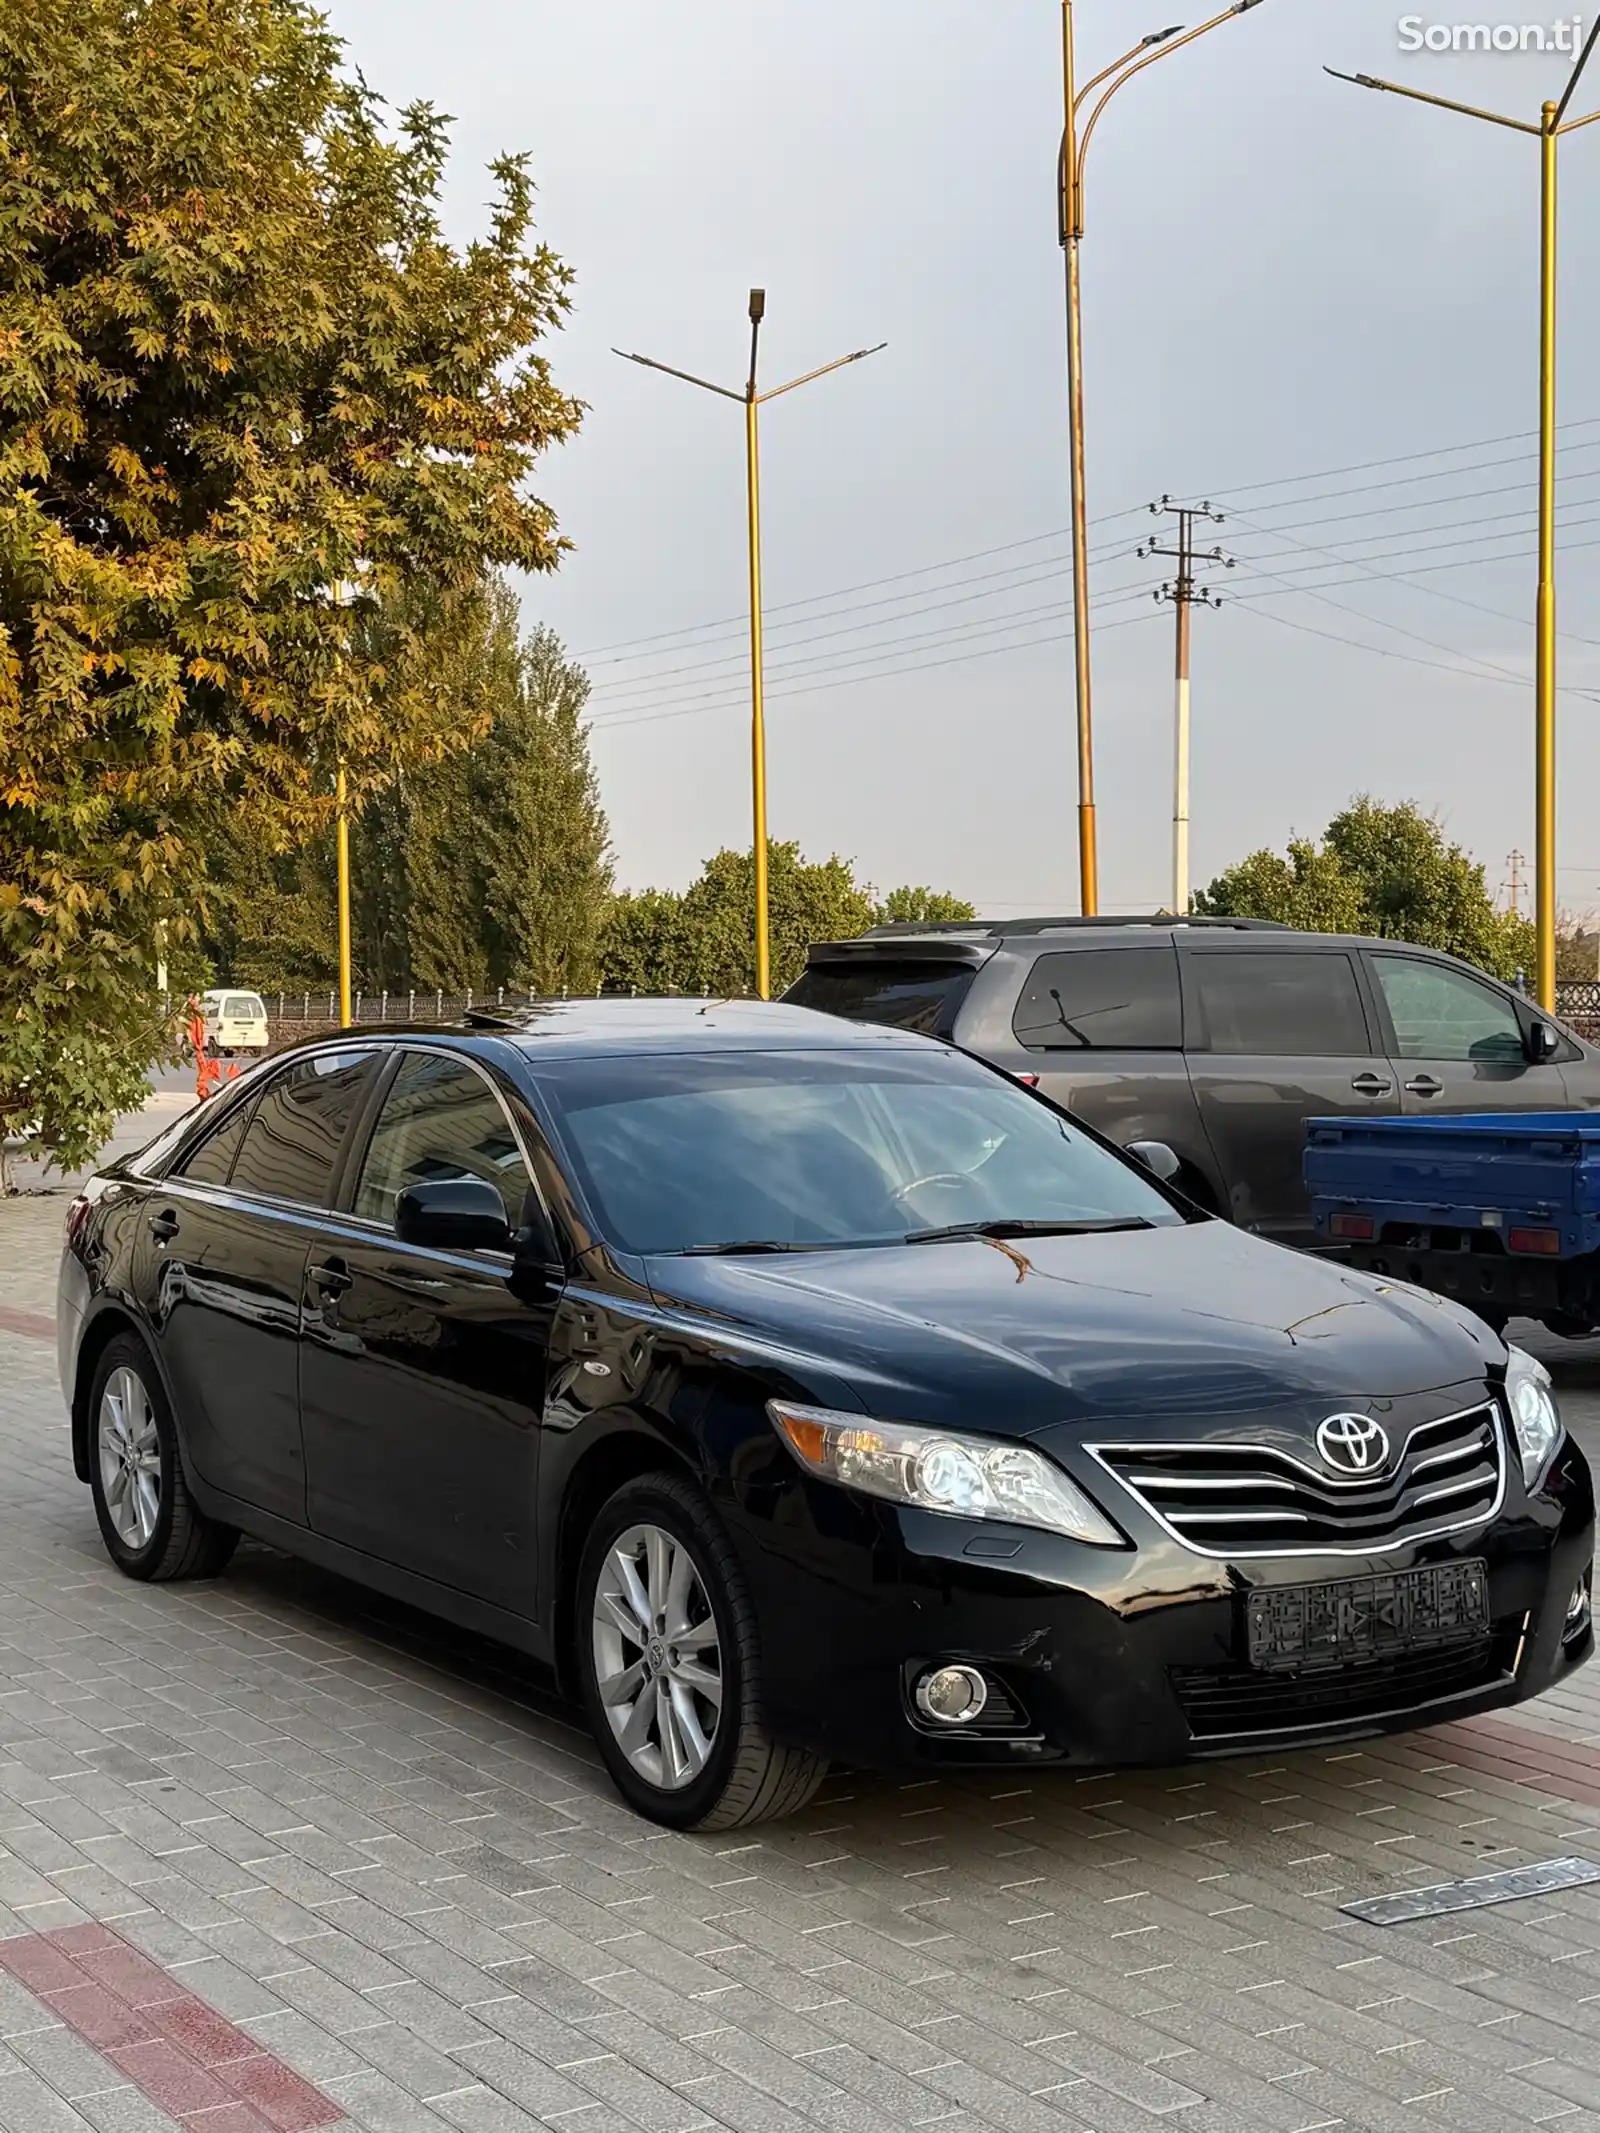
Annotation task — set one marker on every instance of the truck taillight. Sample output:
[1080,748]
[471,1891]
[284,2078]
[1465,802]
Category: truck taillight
[1355,1229]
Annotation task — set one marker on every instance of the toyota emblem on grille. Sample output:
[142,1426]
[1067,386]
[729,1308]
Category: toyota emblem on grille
[1353,1444]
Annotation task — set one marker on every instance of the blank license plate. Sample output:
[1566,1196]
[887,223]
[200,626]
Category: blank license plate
[1368,1618]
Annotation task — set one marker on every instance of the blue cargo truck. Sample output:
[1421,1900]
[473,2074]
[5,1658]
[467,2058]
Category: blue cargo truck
[1499,1211]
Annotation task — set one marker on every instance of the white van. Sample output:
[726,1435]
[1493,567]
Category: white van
[235,1022]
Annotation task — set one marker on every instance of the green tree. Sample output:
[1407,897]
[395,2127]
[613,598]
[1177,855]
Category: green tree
[921,907]
[1385,871]
[247,390]
[704,940]
[487,867]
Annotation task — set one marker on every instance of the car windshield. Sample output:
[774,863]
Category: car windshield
[798,1149]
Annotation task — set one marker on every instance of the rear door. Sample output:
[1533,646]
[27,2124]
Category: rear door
[1457,1040]
[1103,1030]
[1277,1036]
[227,1244]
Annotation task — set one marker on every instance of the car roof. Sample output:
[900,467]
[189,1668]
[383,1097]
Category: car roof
[592,1028]
[975,940]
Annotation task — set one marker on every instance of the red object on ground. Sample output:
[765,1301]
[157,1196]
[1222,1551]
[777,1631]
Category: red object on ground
[187,2059]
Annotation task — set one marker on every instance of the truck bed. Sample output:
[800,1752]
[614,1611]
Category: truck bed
[1499,1209]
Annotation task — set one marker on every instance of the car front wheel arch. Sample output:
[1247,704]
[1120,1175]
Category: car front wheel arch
[607,1465]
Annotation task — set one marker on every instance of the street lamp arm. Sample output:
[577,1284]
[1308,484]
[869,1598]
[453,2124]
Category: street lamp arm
[838,363]
[1444,103]
[1133,51]
[687,376]
[1573,125]
[1162,51]
[1576,75]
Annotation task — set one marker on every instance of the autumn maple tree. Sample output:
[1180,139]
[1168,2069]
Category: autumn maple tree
[248,393]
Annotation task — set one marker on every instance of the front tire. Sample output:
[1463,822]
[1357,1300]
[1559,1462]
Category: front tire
[670,1663]
[152,1527]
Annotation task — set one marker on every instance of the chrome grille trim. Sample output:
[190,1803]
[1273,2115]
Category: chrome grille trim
[1405,1515]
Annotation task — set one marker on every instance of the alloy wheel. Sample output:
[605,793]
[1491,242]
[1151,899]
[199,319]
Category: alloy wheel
[130,1458]
[657,1656]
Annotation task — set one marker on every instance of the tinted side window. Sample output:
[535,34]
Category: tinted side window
[1294,1004]
[905,995]
[212,1162]
[440,1120]
[1444,1014]
[1109,998]
[292,1143]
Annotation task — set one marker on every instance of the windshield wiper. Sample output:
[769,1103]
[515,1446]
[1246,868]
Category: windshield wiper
[750,1245]
[1020,1228]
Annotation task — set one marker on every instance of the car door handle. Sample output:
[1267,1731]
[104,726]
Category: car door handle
[1372,1085]
[330,1280]
[164,1227]
[1425,1085]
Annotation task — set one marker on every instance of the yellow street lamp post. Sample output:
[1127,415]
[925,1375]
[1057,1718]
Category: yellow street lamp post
[1551,124]
[1074,147]
[342,840]
[754,400]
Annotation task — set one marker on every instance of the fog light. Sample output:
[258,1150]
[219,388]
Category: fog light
[1577,1612]
[952,1695]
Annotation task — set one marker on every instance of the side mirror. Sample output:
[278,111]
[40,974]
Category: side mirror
[1157,1158]
[1541,1044]
[453,1215]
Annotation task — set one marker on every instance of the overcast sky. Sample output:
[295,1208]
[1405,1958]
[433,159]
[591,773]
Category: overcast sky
[1285,277]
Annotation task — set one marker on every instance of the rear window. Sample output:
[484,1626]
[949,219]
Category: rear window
[1106,999]
[243,1007]
[918,996]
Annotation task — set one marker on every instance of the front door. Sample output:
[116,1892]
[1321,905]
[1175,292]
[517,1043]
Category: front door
[226,1245]
[1457,1042]
[1277,1036]
[423,1372]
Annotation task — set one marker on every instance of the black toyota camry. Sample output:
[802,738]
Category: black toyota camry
[806,1390]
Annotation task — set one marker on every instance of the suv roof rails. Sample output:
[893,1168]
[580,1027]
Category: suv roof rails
[999,928]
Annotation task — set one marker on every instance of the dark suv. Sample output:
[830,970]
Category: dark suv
[1219,1037]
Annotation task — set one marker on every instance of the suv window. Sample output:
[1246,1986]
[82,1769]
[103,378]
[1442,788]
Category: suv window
[904,994]
[440,1119]
[1444,1014]
[292,1142]
[1122,999]
[212,1162]
[1292,1004]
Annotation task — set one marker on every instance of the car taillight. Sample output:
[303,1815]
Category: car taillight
[77,1216]
[1029,1081]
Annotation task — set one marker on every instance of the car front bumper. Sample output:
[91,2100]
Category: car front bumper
[1122,1657]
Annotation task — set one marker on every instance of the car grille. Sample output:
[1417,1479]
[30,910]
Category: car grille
[1228,1702]
[1250,1499]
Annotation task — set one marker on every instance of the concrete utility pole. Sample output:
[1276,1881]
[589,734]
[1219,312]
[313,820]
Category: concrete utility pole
[1184,595]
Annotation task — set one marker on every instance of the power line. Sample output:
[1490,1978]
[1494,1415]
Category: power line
[601,653]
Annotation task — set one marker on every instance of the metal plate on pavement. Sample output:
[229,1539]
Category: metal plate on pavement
[1507,1887]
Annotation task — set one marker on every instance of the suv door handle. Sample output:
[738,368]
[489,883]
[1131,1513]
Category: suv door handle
[1372,1085]
[1425,1085]
[164,1227]
[330,1280]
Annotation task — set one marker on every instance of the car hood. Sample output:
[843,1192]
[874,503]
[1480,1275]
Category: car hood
[1202,1320]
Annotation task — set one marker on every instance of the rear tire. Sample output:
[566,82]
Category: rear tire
[152,1527]
[670,1663]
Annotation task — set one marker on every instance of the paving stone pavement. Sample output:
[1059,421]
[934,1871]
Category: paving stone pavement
[275,1853]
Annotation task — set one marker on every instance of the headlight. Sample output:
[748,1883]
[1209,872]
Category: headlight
[941,1470]
[1533,1413]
